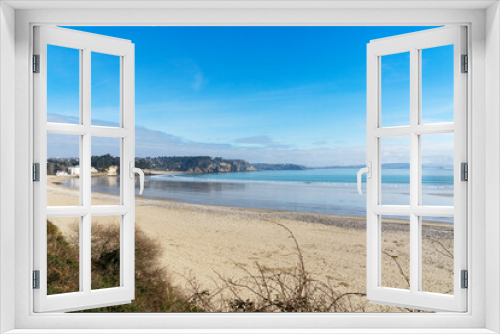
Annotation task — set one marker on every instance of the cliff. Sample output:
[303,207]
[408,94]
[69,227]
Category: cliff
[198,165]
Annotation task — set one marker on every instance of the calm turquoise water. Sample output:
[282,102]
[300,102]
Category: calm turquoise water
[431,177]
[329,191]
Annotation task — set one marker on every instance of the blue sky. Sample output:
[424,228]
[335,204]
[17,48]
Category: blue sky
[263,94]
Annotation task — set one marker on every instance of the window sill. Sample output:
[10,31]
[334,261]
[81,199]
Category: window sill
[253,331]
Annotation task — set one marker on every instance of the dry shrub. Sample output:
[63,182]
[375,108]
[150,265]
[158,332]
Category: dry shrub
[63,270]
[153,292]
[272,290]
[105,256]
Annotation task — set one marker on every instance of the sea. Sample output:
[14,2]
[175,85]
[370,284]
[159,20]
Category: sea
[325,191]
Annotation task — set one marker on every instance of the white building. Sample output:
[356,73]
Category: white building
[74,170]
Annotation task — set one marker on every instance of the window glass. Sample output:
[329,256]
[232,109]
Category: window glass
[395,89]
[63,85]
[395,170]
[63,255]
[106,171]
[105,89]
[395,252]
[106,241]
[437,84]
[63,170]
[437,169]
[437,254]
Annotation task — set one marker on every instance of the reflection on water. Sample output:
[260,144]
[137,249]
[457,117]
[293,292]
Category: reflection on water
[112,181]
[337,199]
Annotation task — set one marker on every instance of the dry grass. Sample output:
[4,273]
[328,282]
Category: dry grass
[260,289]
[272,290]
[153,291]
[62,263]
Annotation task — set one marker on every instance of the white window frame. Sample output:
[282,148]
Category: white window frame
[483,123]
[85,43]
[414,43]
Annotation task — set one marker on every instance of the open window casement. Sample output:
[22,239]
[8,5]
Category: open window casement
[83,132]
[415,295]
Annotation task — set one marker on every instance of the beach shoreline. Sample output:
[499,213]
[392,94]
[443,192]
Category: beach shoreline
[201,243]
[53,183]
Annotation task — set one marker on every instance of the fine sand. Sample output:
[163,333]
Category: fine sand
[204,243]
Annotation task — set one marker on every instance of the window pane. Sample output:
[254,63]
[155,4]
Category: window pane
[105,171]
[437,254]
[437,84]
[395,170]
[63,170]
[105,252]
[395,89]
[63,255]
[63,85]
[105,89]
[437,169]
[395,252]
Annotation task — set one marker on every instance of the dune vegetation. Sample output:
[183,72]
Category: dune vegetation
[153,293]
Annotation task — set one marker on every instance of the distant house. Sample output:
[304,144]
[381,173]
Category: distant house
[74,170]
[113,170]
[93,170]
[61,173]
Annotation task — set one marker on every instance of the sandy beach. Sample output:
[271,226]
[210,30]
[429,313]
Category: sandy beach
[204,243]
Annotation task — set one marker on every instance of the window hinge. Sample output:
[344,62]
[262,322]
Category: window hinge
[465,279]
[36,172]
[36,279]
[36,63]
[464,171]
[465,64]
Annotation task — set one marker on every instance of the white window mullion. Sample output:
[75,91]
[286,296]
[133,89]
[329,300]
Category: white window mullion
[394,131]
[391,210]
[40,156]
[416,118]
[414,170]
[405,210]
[434,211]
[429,129]
[127,98]
[85,175]
[68,129]
[460,143]
[80,130]
[372,188]
[77,129]
[103,131]
[80,211]
[85,149]
[420,129]
[85,254]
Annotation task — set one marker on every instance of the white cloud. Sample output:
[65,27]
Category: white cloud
[157,143]
[263,142]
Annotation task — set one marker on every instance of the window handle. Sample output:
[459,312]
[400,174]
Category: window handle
[368,171]
[134,171]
